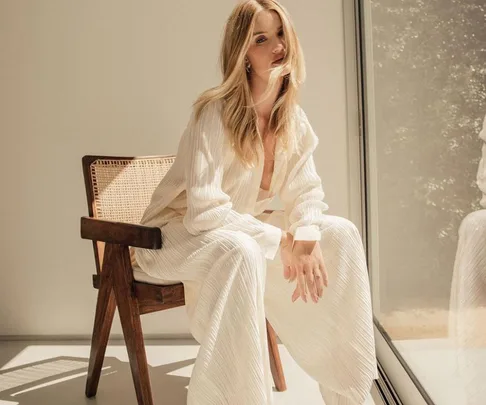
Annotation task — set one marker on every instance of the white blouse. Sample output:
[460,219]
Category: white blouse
[209,187]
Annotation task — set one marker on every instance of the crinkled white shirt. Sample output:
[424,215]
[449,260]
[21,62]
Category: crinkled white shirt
[209,187]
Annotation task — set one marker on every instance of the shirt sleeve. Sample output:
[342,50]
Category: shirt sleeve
[481,176]
[208,206]
[302,193]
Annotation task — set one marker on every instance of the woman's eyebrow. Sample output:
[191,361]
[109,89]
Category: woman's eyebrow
[264,32]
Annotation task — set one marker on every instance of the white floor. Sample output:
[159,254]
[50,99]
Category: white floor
[54,373]
[433,362]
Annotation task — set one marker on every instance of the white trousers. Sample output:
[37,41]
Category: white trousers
[468,306]
[231,287]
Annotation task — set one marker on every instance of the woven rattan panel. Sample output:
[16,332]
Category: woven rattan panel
[122,188]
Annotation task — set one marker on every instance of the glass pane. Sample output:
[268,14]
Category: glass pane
[426,102]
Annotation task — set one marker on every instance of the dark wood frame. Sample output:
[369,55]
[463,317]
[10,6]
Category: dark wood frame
[117,288]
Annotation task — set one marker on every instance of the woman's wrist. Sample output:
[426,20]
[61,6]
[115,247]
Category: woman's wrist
[304,246]
[286,239]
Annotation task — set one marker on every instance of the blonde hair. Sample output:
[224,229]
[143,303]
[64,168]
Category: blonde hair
[239,116]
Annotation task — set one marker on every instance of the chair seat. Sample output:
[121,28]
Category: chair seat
[141,276]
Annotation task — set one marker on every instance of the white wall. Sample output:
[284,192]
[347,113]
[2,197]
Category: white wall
[118,77]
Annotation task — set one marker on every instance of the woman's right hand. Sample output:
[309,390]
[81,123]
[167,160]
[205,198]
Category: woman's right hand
[286,253]
[308,268]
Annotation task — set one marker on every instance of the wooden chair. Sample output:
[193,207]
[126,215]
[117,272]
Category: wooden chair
[118,190]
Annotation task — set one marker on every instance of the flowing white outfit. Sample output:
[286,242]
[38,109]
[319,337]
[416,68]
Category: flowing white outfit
[218,241]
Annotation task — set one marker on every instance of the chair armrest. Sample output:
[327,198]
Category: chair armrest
[121,233]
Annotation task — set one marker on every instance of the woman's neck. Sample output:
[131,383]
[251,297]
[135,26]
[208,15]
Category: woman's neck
[258,86]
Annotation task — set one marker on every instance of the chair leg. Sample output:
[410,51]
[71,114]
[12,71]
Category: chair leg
[105,310]
[131,323]
[275,362]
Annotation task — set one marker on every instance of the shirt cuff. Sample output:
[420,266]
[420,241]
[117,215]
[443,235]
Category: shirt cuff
[273,237]
[308,232]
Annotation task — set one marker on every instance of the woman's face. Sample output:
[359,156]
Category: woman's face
[267,45]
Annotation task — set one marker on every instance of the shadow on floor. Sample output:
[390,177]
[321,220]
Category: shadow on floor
[61,380]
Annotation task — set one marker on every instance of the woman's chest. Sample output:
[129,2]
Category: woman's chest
[269,145]
[243,184]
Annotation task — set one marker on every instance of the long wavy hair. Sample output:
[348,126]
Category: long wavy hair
[239,115]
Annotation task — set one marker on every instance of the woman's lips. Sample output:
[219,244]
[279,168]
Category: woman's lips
[277,61]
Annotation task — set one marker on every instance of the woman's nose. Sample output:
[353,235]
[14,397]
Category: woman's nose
[278,48]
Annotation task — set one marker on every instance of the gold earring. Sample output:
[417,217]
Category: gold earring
[248,65]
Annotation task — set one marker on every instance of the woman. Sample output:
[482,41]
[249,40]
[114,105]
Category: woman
[248,140]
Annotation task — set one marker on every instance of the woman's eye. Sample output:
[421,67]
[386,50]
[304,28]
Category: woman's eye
[261,40]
